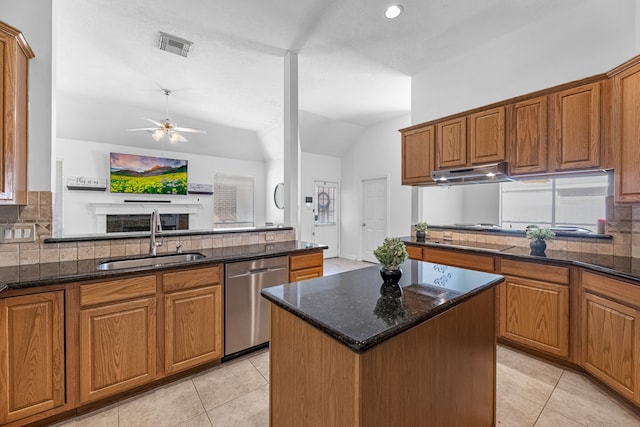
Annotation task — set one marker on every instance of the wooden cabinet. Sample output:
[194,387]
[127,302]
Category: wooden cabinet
[575,128]
[610,333]
[626,93]
[534,306]
[32,355]
[305,266]
[15,54]
[451,143]
[486,136]
[117,336]
[193,318]
[418,155]
[415,252]
[527,131]
[459,259]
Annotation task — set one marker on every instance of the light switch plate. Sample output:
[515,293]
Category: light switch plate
[20,233]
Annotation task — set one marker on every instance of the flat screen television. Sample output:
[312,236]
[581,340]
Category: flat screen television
[130,173]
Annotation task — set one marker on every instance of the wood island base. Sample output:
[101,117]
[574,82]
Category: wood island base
[441,373]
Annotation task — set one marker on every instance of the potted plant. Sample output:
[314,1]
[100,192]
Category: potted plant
[538,237]
[421,231]
[391,254]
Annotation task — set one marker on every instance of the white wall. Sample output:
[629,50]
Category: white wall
[575,43]
[274,174]
[91,159]
[314,167]
[375,154]
[34,18]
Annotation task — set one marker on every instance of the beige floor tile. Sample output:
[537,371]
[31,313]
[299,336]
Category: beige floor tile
[168,405]
[199,421]
[551,418]
[227,382]
[528,365]
[103,417]
[515,410]
[339,265]
[249,410]
[579,399]
[261,363]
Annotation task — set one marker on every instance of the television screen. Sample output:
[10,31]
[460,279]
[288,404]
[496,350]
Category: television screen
[147,175]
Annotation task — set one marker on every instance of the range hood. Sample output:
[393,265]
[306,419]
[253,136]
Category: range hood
[494,172]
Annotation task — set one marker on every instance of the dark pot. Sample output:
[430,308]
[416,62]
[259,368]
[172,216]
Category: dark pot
[390,286]
[538,247]
[420,236]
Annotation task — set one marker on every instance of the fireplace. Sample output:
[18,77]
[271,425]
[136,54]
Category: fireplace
[129,223]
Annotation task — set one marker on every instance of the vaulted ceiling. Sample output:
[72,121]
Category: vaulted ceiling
[355,66]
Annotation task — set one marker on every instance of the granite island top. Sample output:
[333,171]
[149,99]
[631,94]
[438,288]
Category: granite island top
[350,307]
[32,275]
[620,266]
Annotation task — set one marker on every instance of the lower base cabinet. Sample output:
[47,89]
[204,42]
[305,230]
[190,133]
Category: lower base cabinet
[306,266]
[117,348]
[610,333]
[32,365]
[193,328]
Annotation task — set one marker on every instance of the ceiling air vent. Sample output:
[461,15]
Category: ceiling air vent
[174,44]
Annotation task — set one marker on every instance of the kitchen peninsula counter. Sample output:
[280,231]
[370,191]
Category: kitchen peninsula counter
[344,354]
[34,275]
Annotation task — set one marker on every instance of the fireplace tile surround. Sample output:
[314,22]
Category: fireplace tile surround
[623,224]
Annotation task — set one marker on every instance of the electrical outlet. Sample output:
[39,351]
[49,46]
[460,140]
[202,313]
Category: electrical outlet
[18,233]
[270,237]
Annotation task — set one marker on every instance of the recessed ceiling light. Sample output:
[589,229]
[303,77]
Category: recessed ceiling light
[393,11]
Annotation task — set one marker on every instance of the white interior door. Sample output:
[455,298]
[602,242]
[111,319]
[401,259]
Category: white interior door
[327,216]
[374,216]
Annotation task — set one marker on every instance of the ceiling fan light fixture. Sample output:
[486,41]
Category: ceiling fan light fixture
[174,137]
[158,134]
[393,11]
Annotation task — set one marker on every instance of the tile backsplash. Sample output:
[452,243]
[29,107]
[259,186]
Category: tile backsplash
[39,212]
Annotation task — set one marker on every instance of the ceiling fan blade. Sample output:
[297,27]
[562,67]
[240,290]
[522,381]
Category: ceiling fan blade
[147,129]
[154,122]
[181,129]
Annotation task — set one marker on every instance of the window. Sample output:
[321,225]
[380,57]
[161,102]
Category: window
[326,202]
[233,201]
[556,202]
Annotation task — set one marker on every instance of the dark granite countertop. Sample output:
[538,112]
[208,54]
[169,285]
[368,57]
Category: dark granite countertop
[32,275]
[488,228]
[623,267]
[350,308]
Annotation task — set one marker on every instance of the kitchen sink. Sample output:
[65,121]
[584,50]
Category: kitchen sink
[150,261]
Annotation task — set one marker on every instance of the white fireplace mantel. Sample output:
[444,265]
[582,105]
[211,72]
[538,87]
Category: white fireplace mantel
[137,208]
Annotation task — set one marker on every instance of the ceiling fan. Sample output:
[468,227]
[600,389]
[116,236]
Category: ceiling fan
[167,127]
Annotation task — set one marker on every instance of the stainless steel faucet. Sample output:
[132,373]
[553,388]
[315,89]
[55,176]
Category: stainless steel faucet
[156,226]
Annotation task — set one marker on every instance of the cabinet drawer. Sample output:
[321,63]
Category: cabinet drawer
[305,274]
[188,279]
[543,272]
[117,290]
[611,288]
[414,252]
[462,260]
[297,262]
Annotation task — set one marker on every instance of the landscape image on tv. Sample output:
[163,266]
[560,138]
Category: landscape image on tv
[147,175]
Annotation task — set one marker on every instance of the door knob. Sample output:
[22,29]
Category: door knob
[364,225]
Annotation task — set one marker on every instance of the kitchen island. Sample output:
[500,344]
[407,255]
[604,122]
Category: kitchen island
[343,354]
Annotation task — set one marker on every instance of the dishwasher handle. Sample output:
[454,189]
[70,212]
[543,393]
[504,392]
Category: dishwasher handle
[256,271]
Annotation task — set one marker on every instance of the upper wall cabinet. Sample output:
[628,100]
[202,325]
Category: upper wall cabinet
[486,136]
[575,128]
[527,135]
[626,131]
[418,155]
[451,143]
[14,66]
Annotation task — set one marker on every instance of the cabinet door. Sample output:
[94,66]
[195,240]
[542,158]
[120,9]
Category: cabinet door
[626,118]
[535,314]
[415,252]
[418,155]
[575,131]
[451,143]
[193,327]
[32,371]
[527,130]
[486,136]
[117,348]
[14,69]
[611,344]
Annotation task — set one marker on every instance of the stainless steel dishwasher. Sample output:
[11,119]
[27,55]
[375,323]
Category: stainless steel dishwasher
[246,312]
